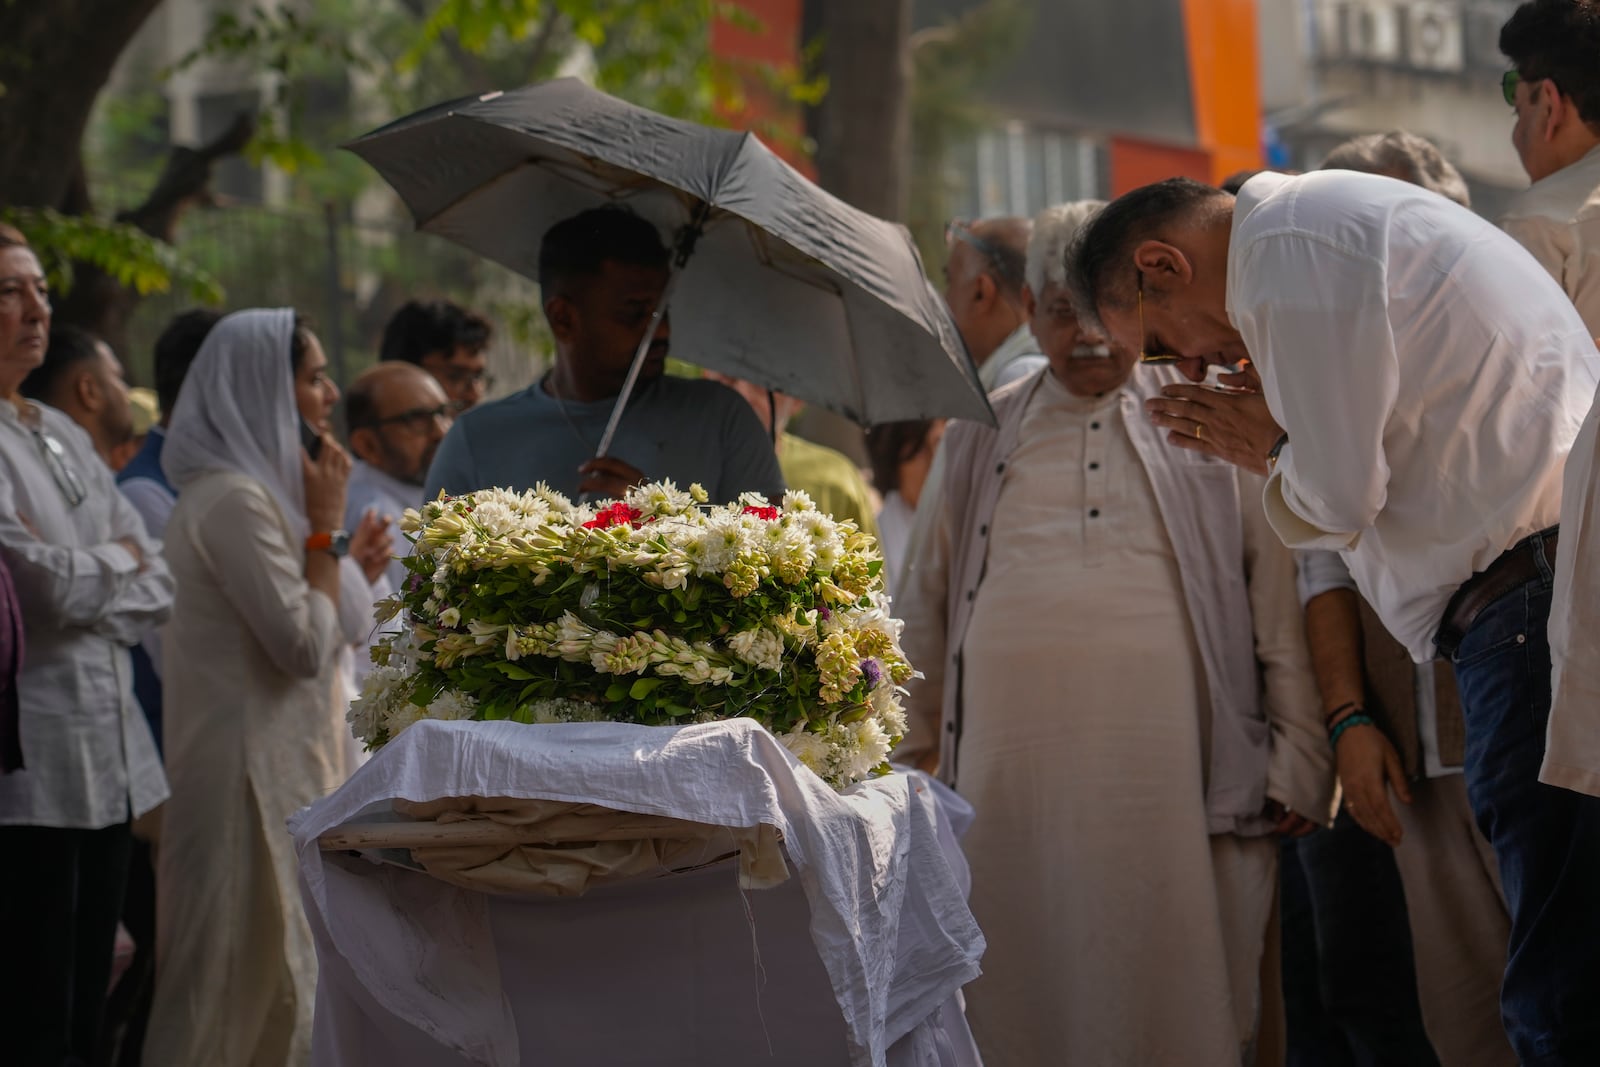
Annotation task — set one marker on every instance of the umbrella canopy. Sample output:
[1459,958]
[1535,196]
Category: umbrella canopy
[787,286]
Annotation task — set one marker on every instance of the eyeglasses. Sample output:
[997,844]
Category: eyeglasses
[1148,357]
[55,460]
[960,230]
[419,420]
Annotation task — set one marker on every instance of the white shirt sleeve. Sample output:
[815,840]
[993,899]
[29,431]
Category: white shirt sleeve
[1314,316]
[153,503]
[1318,571]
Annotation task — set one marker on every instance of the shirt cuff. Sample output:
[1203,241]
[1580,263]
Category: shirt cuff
[117,559]
[1292,530]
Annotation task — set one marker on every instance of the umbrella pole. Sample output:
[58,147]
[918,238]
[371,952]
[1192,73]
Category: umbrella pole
[636,366]
[685,248]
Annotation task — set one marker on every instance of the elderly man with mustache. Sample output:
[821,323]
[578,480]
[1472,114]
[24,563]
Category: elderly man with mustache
[1117,679]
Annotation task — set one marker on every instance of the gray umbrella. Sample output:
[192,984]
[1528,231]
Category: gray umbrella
[775,281]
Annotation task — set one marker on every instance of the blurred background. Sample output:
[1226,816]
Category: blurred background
[184,151]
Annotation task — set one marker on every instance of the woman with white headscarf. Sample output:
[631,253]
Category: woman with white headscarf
[254,725]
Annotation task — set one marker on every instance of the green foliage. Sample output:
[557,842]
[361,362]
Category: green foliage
[127,253]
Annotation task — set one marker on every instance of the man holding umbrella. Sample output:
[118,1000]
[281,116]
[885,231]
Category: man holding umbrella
[602,273]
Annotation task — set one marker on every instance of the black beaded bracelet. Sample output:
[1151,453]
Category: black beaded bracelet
[1340,710]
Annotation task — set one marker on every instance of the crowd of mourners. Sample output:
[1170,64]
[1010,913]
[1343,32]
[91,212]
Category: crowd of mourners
[1259,631]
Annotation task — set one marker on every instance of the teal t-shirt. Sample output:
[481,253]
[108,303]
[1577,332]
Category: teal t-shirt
[686,430]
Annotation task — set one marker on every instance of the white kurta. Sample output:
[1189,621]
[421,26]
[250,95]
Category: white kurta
[1119,931]
[252,735]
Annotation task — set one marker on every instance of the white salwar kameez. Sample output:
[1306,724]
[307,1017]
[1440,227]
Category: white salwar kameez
[1119,931]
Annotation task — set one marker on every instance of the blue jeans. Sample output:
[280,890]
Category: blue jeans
[1349,980]
[1546,840]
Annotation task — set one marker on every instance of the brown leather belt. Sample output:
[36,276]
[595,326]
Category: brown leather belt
[1515,567]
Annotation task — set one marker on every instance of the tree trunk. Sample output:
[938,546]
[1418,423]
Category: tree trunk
[862,129]
[863,125]
[55,57]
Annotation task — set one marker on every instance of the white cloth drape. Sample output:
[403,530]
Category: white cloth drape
[887,912]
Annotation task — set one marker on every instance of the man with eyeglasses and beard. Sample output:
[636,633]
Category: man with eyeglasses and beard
[601,274]
[396,414]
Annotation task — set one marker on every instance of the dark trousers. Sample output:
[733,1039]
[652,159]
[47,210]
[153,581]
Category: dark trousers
[128,1009]
[60,897]
[1349,980]
[1546,840]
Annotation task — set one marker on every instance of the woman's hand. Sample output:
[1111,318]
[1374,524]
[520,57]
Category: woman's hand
[325,480]
[371,545]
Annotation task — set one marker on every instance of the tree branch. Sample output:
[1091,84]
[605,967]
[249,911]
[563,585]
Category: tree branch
[186,180]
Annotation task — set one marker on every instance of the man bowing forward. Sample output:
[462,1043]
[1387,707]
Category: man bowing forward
[1421,382]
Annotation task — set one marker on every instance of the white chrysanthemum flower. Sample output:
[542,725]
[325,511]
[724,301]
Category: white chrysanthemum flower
[812,750]
[382,687]
[497,517]
[866,748]
[796,500]
[450,617]
[550,712]
[451,705]
[400,715]
[760,647]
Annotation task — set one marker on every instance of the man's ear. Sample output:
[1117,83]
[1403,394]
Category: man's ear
[86,390]
[1162,264]
[984,290]
[1029,302]
[562,314]
[1558,109]
[364,443]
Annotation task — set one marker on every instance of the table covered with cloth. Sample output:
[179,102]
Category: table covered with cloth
[848,943]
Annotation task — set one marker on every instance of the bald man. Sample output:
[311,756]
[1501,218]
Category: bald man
[983,283]
[397,414]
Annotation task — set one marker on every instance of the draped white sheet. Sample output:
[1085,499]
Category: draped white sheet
[682,969]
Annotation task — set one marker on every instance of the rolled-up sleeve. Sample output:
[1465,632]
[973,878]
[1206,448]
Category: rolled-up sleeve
[1318,571]
[1314,317]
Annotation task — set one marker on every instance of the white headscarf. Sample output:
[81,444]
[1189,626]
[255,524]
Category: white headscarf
[237,412]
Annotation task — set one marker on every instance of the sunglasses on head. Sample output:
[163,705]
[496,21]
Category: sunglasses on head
[1509,82]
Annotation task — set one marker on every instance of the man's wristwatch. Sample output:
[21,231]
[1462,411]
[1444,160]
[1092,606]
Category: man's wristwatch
[335,543]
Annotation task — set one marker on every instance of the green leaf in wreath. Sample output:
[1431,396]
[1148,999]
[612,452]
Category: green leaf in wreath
[644,687]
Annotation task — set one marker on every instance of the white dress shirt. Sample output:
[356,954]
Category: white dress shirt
[1017,358]
[1429,373]
[370,489]
[90,761]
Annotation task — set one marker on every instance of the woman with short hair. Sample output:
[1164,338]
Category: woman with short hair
[91,584]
